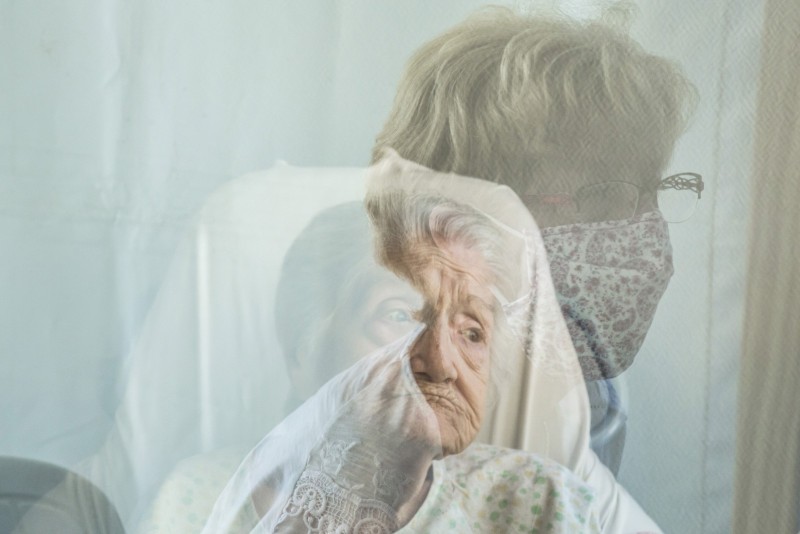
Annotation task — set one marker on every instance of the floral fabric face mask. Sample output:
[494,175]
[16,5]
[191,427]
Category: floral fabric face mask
[609,277]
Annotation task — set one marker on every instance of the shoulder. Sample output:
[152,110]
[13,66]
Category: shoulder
[516,490]
[505,465]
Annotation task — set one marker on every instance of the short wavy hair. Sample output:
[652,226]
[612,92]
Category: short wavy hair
[508,98]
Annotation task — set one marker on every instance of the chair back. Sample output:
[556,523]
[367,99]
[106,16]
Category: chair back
[37,497]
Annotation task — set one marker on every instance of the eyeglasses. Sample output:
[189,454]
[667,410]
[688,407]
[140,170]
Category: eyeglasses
[676,197]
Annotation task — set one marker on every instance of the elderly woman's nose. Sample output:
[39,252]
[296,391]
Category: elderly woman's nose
[433,357]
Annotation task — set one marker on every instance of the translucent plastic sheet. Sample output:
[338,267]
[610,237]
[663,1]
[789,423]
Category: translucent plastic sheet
[141,256]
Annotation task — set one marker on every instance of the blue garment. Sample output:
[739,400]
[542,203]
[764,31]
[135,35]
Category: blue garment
[609,418]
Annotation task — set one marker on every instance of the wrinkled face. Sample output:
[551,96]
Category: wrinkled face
[383,312]
[450,359]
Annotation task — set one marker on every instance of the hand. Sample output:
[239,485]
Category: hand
[385,435]
[369,468]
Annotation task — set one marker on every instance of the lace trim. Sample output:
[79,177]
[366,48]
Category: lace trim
[326,507]
[334,455]
[389,484]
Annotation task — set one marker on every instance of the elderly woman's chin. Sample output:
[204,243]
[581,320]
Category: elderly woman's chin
[458,425]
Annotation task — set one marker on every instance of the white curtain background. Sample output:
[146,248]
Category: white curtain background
[118,119]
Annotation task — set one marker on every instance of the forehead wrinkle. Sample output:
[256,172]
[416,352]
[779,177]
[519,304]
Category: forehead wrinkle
[449,291]
[426,257]
[484,311]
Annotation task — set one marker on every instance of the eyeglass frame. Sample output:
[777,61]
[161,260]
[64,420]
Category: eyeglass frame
[678,181]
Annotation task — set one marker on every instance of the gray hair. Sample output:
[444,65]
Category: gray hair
[508,97]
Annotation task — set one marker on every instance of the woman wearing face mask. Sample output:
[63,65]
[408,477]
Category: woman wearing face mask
[580,122]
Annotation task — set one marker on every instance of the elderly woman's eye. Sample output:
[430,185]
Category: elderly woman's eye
[473,335]
[398,315]
[394,311]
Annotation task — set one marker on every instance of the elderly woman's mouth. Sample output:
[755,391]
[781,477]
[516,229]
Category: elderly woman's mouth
[439,400]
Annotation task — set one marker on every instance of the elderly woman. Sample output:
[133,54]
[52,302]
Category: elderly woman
[389,442]
[580,122]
